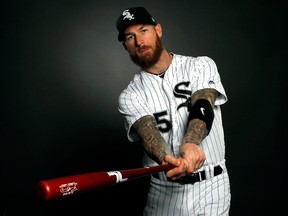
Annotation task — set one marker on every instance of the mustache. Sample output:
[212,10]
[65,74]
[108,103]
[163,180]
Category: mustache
[140,48]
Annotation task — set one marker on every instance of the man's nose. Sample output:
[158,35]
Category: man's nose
[138,40]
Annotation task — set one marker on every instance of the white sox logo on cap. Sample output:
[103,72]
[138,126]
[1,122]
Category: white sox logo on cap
[127,14]
[131,16]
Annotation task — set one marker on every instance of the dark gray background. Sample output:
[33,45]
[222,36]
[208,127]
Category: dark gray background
[63,70]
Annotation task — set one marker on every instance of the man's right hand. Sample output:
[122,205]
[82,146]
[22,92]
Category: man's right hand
[181,166]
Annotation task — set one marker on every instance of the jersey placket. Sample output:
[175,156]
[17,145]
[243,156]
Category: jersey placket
[173,139]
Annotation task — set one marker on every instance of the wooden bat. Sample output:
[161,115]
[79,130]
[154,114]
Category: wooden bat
[75,184]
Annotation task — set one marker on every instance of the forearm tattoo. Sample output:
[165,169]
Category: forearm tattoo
[153,142]
[197,130]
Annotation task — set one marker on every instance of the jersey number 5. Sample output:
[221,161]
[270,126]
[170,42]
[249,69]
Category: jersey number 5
[163,124]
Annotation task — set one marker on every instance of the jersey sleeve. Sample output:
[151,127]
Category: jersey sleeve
[206,76]
[132,107]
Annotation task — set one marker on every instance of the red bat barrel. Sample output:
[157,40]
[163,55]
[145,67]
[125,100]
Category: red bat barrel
[74,184]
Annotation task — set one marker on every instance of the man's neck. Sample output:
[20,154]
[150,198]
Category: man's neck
[162,65]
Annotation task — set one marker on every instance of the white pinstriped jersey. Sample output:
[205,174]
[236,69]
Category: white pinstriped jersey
[167,100]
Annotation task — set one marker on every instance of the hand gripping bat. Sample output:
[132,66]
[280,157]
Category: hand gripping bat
[75,184]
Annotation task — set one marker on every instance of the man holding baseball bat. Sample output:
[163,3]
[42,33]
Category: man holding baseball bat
[173,107]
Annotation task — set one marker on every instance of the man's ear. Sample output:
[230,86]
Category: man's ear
[158,28]
[124,45]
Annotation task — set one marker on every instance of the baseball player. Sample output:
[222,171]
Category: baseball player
[173,107]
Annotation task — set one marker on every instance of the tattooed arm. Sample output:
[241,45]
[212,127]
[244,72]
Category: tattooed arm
[155,145]
[196,132]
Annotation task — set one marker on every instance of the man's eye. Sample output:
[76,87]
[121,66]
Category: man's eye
[143,30]
[129,38]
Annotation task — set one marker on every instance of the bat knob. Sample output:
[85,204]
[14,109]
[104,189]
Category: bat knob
[42,190]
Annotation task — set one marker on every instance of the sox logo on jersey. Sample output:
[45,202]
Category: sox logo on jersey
[178,93]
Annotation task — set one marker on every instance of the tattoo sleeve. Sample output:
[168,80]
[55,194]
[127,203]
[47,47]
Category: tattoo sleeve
[196,130]
[154,144]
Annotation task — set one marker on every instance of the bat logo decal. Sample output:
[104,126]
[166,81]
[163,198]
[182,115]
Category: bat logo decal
[69,188]
[118,176]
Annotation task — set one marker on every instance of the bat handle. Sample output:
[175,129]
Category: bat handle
[165,167]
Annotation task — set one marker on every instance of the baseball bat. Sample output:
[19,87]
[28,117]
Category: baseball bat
[80,183]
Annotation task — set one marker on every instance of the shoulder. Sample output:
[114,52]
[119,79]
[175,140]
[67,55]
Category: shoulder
[132,86]
[192,63]
[202,62]
[204,59]
[192,59]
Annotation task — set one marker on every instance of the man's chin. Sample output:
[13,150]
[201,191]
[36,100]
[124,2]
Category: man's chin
[144,60]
